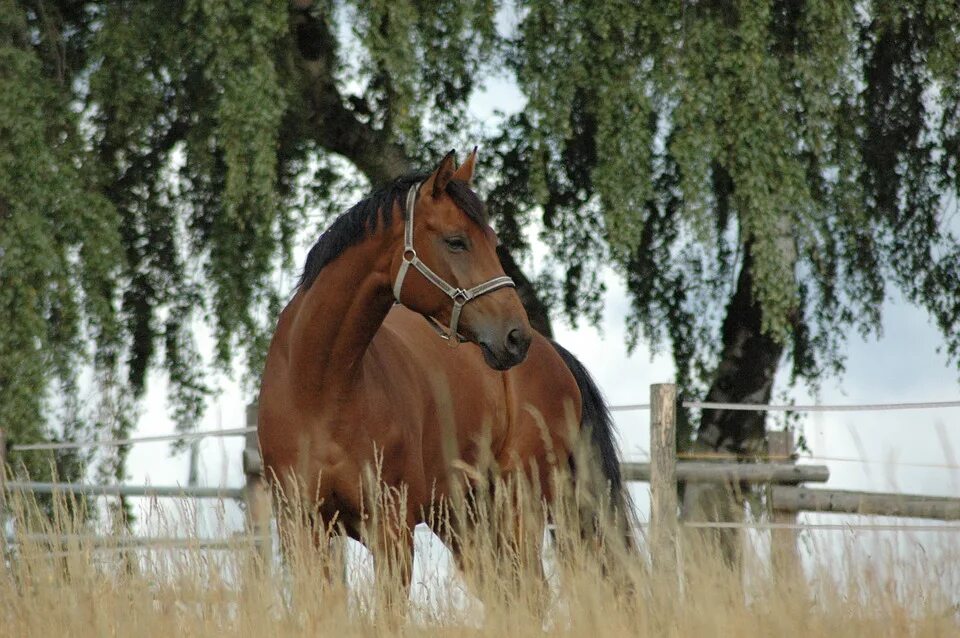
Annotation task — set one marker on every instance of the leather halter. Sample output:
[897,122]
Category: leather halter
[459,296]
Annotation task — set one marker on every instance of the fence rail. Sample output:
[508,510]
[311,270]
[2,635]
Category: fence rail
[149,491]
[93,542]
[834,527]
[159,438]
[794,499]
[709,472]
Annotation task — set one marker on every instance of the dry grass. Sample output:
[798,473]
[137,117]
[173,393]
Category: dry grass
[83,591]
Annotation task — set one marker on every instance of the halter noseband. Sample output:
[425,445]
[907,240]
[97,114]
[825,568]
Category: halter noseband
[459,296]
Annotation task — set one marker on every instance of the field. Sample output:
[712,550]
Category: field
[854,589]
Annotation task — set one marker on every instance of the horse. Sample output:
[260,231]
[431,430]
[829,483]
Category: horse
[403,323]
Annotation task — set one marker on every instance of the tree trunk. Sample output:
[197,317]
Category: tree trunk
[745,374]
[536,310]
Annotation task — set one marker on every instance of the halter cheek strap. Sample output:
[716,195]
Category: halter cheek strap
[459,296]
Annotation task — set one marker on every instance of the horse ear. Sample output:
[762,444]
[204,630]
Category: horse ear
[465,172]
[436,184]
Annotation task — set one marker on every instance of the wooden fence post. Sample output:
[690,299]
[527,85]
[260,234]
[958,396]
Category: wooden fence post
[3,489]
[663,476]
[257,491]
[3,497]
[784,548]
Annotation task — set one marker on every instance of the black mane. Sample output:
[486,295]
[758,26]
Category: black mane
[362,219]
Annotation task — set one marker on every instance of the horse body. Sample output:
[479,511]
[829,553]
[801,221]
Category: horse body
[412,398]
[355,384]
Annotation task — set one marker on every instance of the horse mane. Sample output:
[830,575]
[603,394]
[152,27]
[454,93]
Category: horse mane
[363,218]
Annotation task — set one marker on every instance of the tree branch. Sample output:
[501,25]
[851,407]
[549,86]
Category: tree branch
[333,125]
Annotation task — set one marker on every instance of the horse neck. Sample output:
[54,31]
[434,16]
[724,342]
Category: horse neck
[338,316]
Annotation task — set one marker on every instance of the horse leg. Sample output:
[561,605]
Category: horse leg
[502,558]
[312,526]
[332,528]
[391,544]
[526,581]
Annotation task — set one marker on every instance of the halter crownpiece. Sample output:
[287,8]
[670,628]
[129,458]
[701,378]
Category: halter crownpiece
[459,296]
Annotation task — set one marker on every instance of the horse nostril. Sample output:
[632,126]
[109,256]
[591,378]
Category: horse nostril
[517,342]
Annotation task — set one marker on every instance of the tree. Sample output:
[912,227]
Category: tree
[156,162]
[760,173]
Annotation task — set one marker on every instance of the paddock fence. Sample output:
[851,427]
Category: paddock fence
[778,472]
[253,497]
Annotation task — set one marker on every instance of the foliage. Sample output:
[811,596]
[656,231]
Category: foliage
[60,250]
[820,138]
[156,159]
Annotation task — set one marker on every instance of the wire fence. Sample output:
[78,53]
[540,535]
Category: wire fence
[835,527]
[764,407]
[627,407]
[853,459]
[237,493]
[720,456]
[180,436]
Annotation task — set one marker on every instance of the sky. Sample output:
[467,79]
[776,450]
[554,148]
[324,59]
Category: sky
[871,451]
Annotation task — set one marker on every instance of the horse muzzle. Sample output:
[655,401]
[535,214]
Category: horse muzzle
[507,351]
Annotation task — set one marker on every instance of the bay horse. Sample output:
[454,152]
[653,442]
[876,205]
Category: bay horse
[361,372]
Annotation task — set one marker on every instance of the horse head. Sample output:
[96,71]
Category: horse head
[448,239]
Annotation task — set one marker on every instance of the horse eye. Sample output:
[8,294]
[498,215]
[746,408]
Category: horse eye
[456,244]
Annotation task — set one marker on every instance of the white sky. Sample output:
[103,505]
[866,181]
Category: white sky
[902,366]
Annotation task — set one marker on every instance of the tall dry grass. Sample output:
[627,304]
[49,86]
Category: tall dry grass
[588,589]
